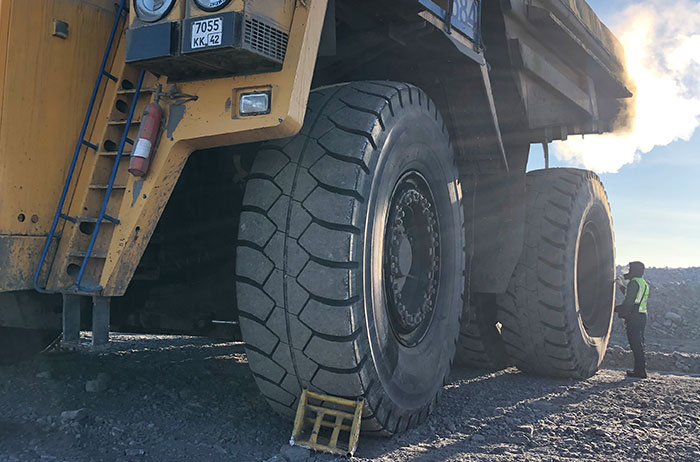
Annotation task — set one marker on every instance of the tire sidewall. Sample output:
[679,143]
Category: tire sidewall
[589,206]
[412,377]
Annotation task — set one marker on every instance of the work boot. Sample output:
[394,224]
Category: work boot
[637,374]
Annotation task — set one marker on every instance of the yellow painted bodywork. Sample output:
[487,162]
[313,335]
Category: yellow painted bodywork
[210,120]
[45,85]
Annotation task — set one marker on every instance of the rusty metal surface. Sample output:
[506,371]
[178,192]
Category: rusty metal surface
[18,257]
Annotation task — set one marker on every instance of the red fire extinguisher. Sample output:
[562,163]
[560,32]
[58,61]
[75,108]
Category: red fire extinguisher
[147,140]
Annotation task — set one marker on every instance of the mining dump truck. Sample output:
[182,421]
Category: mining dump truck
[340,183]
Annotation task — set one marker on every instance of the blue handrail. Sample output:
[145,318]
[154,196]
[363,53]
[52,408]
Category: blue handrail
[103,210]
[81,141]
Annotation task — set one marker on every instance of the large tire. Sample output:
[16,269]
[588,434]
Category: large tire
[480,343]
[20,344]
[311,272]
[557,312]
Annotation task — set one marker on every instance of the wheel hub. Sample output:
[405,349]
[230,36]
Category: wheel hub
[411,258]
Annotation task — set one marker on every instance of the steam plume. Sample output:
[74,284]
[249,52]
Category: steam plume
[662,44]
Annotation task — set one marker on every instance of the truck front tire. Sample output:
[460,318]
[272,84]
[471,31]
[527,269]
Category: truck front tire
[351,256]
[557,311]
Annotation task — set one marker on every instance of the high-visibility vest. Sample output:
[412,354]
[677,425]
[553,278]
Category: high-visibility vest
[642,294]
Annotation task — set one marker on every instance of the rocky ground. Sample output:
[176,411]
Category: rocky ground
[674,303]
[160,398]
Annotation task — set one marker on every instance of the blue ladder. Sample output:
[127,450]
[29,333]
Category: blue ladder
[77,286]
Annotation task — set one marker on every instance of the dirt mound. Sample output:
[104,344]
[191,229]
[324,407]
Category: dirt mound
[673,327]
[618,357]
[674,302]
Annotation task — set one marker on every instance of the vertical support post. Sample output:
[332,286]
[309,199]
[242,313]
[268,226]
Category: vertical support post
[100,321]
[71,319]
[545,148]
[448,16]
[494,116]
[593,95]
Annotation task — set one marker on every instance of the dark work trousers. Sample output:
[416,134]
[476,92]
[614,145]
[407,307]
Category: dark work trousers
[635,335]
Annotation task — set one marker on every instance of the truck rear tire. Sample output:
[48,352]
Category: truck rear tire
[19,344]
[351,257]
[557,311]
[480,343]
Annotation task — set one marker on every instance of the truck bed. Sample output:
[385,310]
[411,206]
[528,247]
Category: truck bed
[568,67]
[580,17]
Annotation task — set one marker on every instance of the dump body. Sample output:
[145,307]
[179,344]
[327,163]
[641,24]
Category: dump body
[564,55]
[517,72]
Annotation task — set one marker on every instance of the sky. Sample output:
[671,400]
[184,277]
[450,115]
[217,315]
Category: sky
[652,171]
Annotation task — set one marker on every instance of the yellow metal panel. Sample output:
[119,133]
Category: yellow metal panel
[46,113]
[108,6]
[95,170]
[45,91]
[4,31]
[208,122]
[277,11]
[18,257]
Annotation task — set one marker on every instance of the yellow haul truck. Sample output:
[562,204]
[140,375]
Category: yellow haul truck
[343,179]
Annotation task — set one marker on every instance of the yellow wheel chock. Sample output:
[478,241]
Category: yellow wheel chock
[327,423]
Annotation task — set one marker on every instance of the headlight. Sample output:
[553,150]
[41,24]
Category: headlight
[211,5]
[254,103]
[152,10]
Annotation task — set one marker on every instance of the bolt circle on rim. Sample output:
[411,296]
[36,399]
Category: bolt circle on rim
[411,258]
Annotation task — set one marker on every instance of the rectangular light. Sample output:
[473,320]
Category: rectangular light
[254,103]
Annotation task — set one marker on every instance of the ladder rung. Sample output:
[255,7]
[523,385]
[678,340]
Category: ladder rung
[123,122]
[89,289]
[129,140]
[114,153]
[82,253]
[131,91]
[68,218]
[104,186]
[90,145]
[110,76]
[107,218]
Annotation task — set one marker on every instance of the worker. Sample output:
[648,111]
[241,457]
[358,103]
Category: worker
[634,311]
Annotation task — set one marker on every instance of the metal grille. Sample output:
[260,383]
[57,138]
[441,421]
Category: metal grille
[265,39]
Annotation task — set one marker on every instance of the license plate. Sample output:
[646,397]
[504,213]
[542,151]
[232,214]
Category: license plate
[207,33]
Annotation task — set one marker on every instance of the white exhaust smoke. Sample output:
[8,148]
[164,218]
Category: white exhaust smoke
[662,45]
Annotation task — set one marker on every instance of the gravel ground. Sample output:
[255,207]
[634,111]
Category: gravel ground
[159,398]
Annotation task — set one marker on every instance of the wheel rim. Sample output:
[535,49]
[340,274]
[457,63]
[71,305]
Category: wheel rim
[591,278]
[411,258]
